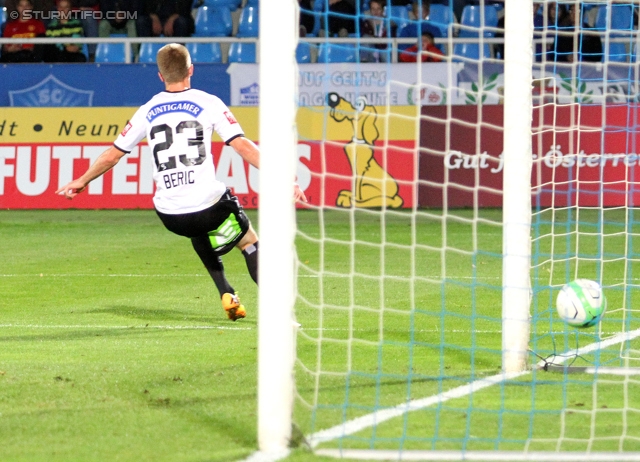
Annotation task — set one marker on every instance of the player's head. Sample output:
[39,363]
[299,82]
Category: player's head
[174,63]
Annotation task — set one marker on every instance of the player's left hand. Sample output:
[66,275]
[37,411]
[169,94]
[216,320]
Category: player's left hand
[298,194]
[72,189]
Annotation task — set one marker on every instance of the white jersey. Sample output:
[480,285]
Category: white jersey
[178,127]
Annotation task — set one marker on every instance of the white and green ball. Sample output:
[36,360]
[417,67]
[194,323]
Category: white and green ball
[581,303]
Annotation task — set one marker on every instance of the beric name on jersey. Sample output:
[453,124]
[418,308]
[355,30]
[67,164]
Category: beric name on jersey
[178,128]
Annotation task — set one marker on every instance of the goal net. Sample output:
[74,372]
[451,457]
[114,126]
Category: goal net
[449,201]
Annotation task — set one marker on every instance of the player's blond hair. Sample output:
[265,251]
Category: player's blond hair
[173,62]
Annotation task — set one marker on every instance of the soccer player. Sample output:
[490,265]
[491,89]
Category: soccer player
[189,200]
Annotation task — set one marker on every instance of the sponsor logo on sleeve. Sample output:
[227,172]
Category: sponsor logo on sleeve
[126,129]
[232,120]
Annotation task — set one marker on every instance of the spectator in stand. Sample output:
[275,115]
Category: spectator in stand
[42,9]
[420,10]
[307,20]
[118,17]
[22,28]
[547,18]
[65,25]
[171,18]
[419,24]
[429,52]
[89,13]
[589,46]
[376,25]
[341,19]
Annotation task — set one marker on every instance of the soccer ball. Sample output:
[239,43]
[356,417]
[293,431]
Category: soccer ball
[581,303]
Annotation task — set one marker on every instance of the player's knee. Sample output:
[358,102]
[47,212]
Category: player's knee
[250,238]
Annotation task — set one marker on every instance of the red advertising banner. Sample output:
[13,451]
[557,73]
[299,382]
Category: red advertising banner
[582,155]
[31,173]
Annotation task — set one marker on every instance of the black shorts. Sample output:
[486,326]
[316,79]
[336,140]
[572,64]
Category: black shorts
[225,223]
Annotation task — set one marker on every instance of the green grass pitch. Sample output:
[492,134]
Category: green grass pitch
[114,346]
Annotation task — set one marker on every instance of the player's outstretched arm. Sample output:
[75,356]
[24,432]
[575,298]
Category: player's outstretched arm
[247,150]
[250,152]
[103,164]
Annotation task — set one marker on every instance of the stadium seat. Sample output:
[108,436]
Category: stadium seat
[253,3]
[213,22]
[332,53]
[621,22]
[231,5]
[400,16]
[470,51]
[319,15]
[248,25]
[242,52]
[303,52]
[110,53]
[617,53]
[621,18]
[441,16]
[205,52]
[214,3]
[472,18]
[148,52]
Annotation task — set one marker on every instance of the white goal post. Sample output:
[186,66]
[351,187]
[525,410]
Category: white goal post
[278,84]
[517,181]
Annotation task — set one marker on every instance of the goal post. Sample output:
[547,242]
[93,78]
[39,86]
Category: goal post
[517,155]
[278,84]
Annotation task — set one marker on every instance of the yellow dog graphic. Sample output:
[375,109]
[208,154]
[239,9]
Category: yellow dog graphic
[373,186]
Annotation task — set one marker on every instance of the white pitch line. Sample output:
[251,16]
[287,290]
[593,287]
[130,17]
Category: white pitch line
[89,326]
[353,426]
[85,275]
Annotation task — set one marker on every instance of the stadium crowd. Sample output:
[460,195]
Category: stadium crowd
[557,27]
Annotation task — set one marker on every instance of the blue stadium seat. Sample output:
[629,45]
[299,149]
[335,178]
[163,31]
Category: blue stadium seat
[248,25]
[472,17]
[229,4]
[621,18]
[470,51]
[240,52]
[621,22]
[252,3]
[215,3]
[213,22]
[400,16]
[110,53]
[332,53]
[441,16]
[148,52]
[617,53]
[205,52]
[303,52]
[320,17]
